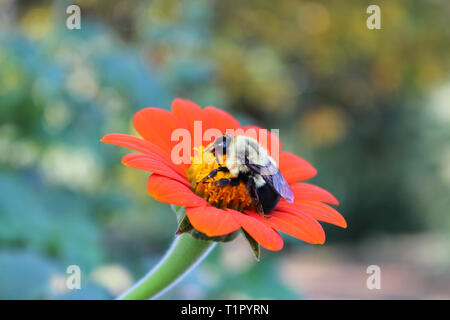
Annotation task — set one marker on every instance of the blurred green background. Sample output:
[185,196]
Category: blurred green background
[370,109]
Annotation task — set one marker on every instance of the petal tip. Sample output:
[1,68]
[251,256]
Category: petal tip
[321,238]
[278,248]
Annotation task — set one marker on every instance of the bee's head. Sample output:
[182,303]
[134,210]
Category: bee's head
[219,146]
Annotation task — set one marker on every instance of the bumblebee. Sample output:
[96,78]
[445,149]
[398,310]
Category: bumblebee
[250,163]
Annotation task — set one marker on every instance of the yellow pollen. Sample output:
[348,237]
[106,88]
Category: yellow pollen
[234,197]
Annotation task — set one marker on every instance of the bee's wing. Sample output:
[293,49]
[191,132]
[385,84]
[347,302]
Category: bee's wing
[281,186]
[275,179]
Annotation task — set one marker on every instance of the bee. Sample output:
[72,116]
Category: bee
[250,163]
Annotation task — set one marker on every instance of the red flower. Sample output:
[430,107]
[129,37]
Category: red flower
[220,212]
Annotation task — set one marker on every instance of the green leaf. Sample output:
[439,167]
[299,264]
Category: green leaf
[180,212]
[184,226]
[253,244]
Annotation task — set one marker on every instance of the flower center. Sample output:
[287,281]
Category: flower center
[234,197]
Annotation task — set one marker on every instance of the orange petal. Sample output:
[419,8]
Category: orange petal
[171,191]
[294,169]
[187,112]
[317,210]
[140,145]
[261,232]
[214,118]
[266,139]
[211,220]
[148,163]
[134,143]
[303,227]
[306,191]
[156,125]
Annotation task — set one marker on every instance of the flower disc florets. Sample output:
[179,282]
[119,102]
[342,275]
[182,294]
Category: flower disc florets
[234,197]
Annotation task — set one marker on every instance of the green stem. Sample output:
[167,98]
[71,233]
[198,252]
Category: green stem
[185,253]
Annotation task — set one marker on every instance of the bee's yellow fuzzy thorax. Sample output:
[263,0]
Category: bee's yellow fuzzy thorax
[234,197]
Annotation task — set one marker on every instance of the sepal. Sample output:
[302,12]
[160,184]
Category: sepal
[253,244]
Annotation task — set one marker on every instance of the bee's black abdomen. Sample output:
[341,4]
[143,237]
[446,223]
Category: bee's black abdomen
[268,198]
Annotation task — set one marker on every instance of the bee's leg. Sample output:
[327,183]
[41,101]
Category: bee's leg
[252,191]
[227,181]
[216,156]
[213,173]
[217,160]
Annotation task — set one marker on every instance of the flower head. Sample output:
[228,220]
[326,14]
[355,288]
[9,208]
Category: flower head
[221,210]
